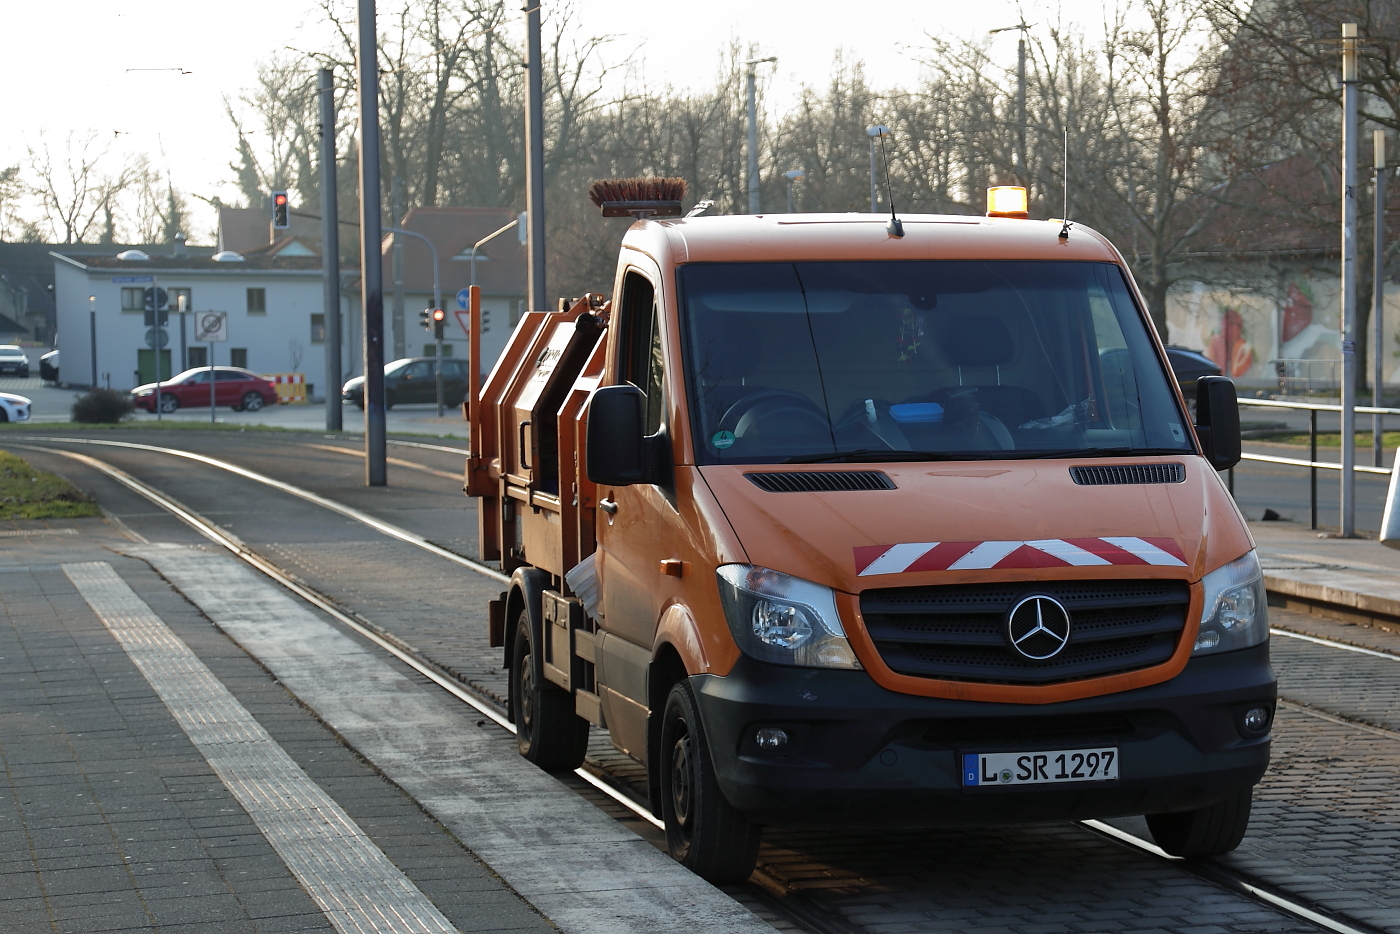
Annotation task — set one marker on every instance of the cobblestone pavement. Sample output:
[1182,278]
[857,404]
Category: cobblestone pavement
[1326,815]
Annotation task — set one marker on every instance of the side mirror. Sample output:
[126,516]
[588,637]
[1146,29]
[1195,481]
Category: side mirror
[1218,421]
[616,445]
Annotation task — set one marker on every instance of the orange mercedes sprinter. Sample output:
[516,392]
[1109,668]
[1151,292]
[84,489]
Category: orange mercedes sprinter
[834,524]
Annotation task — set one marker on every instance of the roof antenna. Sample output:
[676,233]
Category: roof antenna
[894,228]
[1064,230]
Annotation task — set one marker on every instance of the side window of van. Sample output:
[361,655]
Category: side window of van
[641,354]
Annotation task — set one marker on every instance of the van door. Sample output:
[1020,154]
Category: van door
[638,535]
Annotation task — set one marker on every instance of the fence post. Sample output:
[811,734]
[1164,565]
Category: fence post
[1312,471]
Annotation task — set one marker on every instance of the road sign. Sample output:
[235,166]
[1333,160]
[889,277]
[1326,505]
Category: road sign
[210,326]
[464,298]
[464,320]
[157,338]
[133,278]
[157,296]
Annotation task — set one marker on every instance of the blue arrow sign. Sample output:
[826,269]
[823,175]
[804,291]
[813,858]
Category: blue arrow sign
[464,299]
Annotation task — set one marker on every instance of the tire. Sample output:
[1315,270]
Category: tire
[251,402]
[168,403]
[4,416]
[704,832]
[547,731]
[1209,831]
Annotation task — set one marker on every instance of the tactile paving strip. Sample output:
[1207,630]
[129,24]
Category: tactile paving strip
[351,880]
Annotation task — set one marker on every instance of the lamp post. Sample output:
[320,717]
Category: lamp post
[487,239]
[371,257]
[1349,102]
[437,301]
[1020,98]
[875,132]
[751,82]
[330,250]
[534,155]
[792,175]
[1378,297]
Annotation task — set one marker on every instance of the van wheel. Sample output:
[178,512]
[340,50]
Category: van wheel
[1208,831]
[547,730]
[703,831]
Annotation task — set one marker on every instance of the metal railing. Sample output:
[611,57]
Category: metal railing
[1312,463]
[1307,377]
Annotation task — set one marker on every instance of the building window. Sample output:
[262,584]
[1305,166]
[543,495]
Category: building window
[430,350]
[133,299]
[173,302]
[257,301]
[238,356]
[318,329]
[196,357]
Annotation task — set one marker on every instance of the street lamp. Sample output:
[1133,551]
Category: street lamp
[875,132]
[792,175]
[1020,97]
[437,302]
[92,329]
[753,130]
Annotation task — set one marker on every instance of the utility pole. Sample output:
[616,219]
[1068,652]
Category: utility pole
[330,251]
[534,155]
[1378,299]
[1020,154]
[1349,92]
[875,132]
[792,175]
[371,259]
[752,87]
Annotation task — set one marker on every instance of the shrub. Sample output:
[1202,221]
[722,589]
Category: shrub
[102,406]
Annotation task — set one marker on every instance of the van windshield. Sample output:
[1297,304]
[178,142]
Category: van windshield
[872,361]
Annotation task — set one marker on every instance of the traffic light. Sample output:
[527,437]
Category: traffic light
[280,211]
[439,320]
[425,318]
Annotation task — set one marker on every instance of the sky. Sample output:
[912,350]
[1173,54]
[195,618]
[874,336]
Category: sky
[152,77]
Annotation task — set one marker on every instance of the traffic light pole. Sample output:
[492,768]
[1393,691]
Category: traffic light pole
[371,251]
[437,305]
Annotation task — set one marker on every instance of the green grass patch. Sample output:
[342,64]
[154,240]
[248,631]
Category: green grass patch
[26,493]
[1333,439]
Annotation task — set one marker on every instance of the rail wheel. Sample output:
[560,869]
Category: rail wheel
[703,831]
[1208,831]
[547,730]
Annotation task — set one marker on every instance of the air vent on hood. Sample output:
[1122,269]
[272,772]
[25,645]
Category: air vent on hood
[1128,473]
[821,481]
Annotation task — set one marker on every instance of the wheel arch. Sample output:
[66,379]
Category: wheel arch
[667,669]
[527,586]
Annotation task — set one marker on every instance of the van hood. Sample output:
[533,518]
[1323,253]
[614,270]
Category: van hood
[948,523]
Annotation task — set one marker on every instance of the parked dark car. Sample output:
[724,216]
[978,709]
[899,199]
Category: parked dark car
[241,390]
[48,366]
[14,361]
[1188,366]
[414,379]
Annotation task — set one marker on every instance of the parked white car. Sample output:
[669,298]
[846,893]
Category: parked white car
[14,408]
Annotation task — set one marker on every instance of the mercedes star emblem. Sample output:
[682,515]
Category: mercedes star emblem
[1038,627]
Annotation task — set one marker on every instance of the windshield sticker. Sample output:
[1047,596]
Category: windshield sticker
[1045,553]
[722,439]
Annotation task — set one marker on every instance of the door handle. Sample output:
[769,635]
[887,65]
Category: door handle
[608,506]
[523,453]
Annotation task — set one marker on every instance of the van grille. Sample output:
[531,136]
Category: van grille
[1128,473]
[955,632]
[821,481]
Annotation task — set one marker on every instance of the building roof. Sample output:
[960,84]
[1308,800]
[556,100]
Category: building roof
[199,265]
[500,266]
[8,326]
[243,229]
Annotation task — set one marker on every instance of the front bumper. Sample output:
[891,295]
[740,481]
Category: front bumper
[865,756]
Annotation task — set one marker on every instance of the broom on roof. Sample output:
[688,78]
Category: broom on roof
[638,197]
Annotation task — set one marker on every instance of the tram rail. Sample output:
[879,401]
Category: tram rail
[794,906]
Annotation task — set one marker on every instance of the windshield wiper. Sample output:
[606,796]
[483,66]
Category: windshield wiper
[864,455]
[1102,452]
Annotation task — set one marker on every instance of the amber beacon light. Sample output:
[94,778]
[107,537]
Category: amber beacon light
[1007,201]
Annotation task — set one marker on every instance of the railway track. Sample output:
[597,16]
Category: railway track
[602,781]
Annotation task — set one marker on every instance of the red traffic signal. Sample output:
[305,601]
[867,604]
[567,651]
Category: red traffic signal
[439,319]
[280,210]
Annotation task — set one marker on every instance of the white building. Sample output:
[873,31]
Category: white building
[276,320]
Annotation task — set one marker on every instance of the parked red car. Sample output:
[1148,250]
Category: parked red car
[237,388]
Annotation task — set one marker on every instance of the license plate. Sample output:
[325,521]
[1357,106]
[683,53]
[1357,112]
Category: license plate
[1040,768]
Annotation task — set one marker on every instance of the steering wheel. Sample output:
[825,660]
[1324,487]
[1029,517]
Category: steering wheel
[765,404]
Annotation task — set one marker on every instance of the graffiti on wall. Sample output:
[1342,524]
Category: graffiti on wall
[1229,346]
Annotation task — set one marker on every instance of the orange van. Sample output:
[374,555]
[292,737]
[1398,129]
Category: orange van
[833,526]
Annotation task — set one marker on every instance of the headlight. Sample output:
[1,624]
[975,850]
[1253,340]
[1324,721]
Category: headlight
[1235,612]
[144,392]
[778,618]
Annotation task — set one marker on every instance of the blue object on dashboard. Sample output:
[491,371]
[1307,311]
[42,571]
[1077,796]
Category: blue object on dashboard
[917,412]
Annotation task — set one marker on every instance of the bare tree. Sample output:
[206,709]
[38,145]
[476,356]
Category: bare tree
[75,188]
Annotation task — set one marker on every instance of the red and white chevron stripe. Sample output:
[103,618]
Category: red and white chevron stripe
[908,557]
